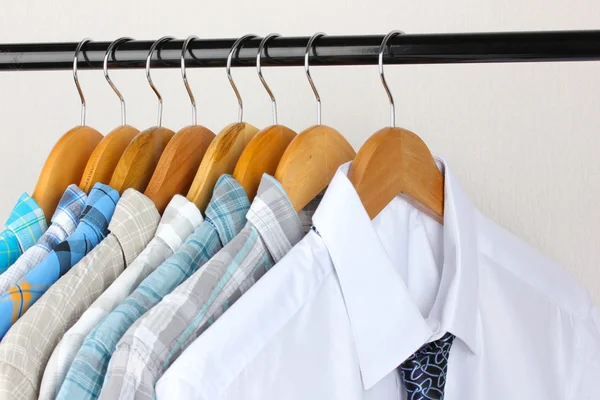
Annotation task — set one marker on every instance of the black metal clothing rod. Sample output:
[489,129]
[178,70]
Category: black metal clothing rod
[328,50]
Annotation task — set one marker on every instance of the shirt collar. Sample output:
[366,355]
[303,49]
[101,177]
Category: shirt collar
[99,209]
[178,222]
[457,306]
[387,325]
[69,208]
[27,221]
[274,217]
[227,209]
[134,223]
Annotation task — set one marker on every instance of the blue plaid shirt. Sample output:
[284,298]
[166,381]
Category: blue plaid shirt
[24,227]
[92,228]
[64,222]
[225,217]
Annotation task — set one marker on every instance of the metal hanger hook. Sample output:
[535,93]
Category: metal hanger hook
[306,68]
[148,60]
[111,51]
[184,76]
[258,57]
[382,76]
[234,48]
[75,59]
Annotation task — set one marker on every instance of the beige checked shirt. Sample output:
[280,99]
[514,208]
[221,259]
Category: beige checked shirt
[179,220]
[26,348]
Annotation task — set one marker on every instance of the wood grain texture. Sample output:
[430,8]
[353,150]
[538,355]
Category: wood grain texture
[394,162]
[178,165]
[221,157]
[104,159]
[137,164]
[64,166]
[261,156]
[310,162]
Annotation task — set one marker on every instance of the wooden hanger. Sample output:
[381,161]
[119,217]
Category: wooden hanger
[225,150]
[313,157]
[263,153]
[220,158]
[104,159]
[180,161]
[395,162]
[67,160]
[261,156]
[64,166]
[137,165]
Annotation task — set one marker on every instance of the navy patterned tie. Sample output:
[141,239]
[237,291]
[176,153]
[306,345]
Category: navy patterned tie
[424,373]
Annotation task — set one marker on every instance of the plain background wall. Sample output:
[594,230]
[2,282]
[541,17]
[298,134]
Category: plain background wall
[524,139]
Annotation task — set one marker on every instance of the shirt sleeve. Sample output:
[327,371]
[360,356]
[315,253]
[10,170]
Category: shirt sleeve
[585,385]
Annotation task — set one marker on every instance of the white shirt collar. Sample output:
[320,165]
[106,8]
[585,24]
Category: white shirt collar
[375,293]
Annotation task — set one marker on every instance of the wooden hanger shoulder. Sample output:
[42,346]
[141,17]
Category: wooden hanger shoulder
[137,164]
[220,158]
[310,162]
[178,165]
[105,157]
[262,155]
[394,162]
[64,166]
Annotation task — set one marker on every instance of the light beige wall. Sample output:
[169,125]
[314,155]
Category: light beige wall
[524,139]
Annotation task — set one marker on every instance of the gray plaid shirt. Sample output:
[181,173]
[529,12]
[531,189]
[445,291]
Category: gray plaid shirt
[155,340]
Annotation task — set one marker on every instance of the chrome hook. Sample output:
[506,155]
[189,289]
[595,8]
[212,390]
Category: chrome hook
[75,58]
[382,76]
[258,57]
[111,51]
[234,48]
[306,68]
[160,100]
[184,76]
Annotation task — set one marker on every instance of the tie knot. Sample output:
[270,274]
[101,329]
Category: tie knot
[439,346]
[424,373]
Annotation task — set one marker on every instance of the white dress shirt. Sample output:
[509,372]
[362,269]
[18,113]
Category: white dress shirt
[179,220]
[355,298]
